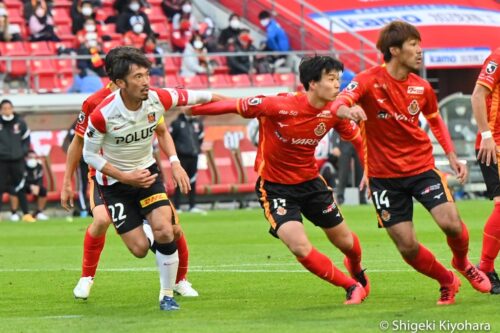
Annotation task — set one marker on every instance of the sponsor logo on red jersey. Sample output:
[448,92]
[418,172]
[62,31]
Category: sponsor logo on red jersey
[320,130]
[415,90]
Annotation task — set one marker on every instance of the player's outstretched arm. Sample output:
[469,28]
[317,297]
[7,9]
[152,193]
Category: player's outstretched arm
[215,108]
[73,157]
[487,150]
[167,145]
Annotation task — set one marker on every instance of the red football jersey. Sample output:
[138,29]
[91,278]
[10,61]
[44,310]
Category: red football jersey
[289,131]
[490,78]
[88,107]
[395,144]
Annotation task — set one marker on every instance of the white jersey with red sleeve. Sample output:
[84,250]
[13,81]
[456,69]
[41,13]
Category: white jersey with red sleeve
[122,137]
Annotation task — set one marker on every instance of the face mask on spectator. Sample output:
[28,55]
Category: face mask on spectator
[40,12]
[134,6]
[31,163]
[138,28]
[186,8]
[235,24]
[90,27]
[8,118]
[87,11]
[265,22]
[3,12]
[198,44]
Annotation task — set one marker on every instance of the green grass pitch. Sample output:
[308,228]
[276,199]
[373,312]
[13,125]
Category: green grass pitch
[247,280]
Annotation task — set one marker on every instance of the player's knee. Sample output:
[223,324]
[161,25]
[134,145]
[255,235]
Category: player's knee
[408,250]
[165,234]
[300,249]
[139,249]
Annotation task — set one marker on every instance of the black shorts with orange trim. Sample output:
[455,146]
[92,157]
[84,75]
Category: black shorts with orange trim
[95,195]
[491,176]
[283,203]
[128,205]
[393,197]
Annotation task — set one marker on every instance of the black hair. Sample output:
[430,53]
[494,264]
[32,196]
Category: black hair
[233,15]
[312,68]
[264,14]
[124,59]
[6,101]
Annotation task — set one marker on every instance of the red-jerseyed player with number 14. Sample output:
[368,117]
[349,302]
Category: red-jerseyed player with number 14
[290,128]
[400,164]
[486,107]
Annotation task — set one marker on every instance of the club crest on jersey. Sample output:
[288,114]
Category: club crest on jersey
[415,90]
[413,108]
[281,211]
[151,117]
[320,129]
[351,86]
[81,117]
[385,215]
[491,67]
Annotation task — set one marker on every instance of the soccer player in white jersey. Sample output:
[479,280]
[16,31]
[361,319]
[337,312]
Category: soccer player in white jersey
[118,144]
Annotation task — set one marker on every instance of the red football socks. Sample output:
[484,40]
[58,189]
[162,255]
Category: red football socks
[491,240]
[320,265]
[427,264]
[92,248]
[460,247]
[183,259]
[354,254]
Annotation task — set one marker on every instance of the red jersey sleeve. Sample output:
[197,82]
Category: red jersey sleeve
[98,121]
[490,74]
[347,129]
[83,119]
[254,107]
[351,94]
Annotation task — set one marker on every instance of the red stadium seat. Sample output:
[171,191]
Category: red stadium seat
[57,165]
[15,68]
[163,31]
[65,4]
[219,81]
[110,31]
[246,154]
[221,67]
[172,81]
[240,80]
[46,83]
[110,44]
[104,12]
[39,48]
[64,66]
[263,80]
[225,166]
[42,66]
[61,16]
[171,65]
[195,82]
[65,82]
[285,79]
[155,15]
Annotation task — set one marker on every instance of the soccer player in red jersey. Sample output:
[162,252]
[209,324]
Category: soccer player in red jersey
[96,232]
[399,161]
[486,108]
[290,128]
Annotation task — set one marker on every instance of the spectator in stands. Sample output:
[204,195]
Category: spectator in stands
[181,37]
[171,7]
[206,30]
[277,40]
[154,54]
[41,26]
[188,133]
[135,37]
[80,13]
[86,81]
[242,43]
[14,145]
[121,5]
[131,16]
[34,185]
[185,15]
[230,34]
[194,59]
[7,31]
[30,6]
[89,34]
[95,63]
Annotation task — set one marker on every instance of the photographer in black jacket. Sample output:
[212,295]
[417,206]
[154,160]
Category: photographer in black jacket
[14,145]
[188,133]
